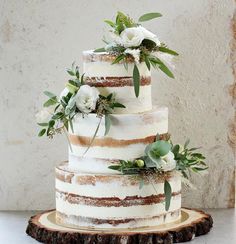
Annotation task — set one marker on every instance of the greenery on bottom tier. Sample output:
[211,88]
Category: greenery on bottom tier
[161,157]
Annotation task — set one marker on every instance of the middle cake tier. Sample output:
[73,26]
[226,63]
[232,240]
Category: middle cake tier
[127,138]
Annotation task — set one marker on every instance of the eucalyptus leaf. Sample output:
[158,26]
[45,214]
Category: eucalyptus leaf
[136,80]
[109,22]
[165,69]
[118,58]
[42,132]
[147,62]
[70,72]
[118,105]
[50,94]
[167,50]
[149,16]
[43,124]
[100,50]
[107,123]
[162,147]
[114,167]
[168,193]
[50,102]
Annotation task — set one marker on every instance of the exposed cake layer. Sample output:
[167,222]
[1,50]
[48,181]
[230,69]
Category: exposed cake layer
[114,201]
[127,138]
[96,165]
[116,78]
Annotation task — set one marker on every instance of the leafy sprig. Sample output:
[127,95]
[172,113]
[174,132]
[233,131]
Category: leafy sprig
[65,109]
[147,47]
[188,160]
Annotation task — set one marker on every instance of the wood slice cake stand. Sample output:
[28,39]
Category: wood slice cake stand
[193,222]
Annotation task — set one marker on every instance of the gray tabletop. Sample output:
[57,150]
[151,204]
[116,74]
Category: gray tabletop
[13,224]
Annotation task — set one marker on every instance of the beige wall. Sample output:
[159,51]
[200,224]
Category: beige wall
[39,39]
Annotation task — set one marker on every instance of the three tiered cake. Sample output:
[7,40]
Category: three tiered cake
[88,193]
[124,173]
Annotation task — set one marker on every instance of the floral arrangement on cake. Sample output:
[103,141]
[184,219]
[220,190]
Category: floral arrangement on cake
[131,42]
[161,157]
[77,97]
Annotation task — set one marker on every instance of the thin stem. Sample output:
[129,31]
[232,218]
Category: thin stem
[95,133]
[66,134]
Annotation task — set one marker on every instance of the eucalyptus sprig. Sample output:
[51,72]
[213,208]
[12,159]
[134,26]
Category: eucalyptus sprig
[188,160]
[147,48]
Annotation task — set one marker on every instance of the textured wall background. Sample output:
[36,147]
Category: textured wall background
[40,38]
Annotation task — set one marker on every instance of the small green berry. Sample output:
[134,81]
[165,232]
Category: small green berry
[139,163]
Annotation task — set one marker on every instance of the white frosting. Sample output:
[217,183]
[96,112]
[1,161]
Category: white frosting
[106,69]
[116,188]
[126,152]
[119,186]
[139,211]
[90,165]
[126,96]
[123,126]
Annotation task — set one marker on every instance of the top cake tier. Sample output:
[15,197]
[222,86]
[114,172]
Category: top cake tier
[117,78]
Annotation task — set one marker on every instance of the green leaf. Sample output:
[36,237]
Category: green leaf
[109,22]
[51,123]
[114,167]
[42,132]
[49,94]
[107,123]
[136,80]
[161,147]
[165,69]
[149,16]
[57,116]
[168,193]
[50,102]
[70,72]
[100,50]
[147,62]
[72,86]
[118,58]
[186,143]
[167,50]
[109,97]
[118,105]
[42,124]
[82,79]
[175,149]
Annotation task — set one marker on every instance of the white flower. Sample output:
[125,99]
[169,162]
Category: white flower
[130,37]
[168,162]
[149,35]
[86,98]
[64,92]
[135,53]
[45,114]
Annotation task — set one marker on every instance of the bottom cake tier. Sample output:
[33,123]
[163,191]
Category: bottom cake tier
[114,201]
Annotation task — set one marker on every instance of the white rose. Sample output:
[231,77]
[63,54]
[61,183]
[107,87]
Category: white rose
[86,98]
[131,37]
[168,162]
[45,114]
[135,53]
[149,35]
